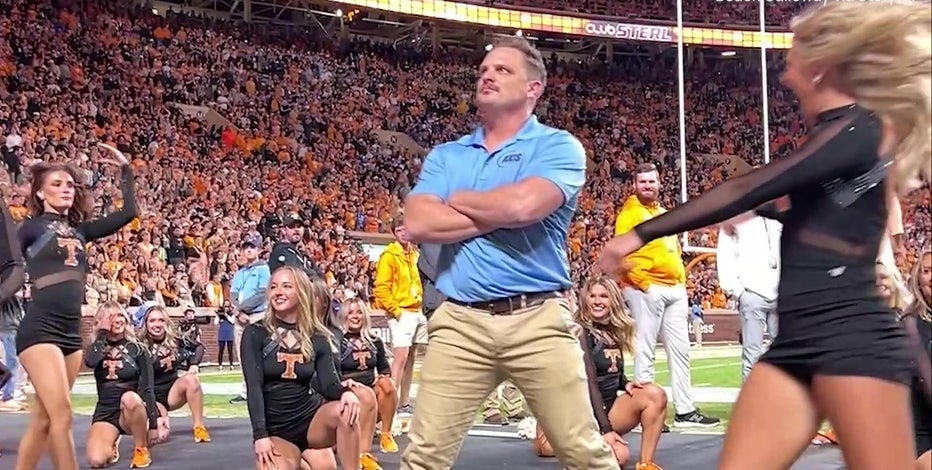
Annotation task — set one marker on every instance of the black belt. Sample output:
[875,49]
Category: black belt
[508,305]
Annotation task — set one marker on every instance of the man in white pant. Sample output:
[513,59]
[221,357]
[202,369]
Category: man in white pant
[748,260]
[655,291]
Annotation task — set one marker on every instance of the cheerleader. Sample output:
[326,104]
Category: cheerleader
[862,76]
[172,353]
[125,397]
[48,341]
[281,354]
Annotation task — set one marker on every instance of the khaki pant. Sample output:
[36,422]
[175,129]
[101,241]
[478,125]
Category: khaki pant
[470,352]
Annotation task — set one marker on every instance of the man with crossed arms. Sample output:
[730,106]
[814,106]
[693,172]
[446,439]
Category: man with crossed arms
[500,200]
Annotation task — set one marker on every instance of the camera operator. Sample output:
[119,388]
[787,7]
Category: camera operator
[286,251]
[225,318]
[188,327]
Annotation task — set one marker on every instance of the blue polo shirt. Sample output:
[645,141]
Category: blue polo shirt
[507,262]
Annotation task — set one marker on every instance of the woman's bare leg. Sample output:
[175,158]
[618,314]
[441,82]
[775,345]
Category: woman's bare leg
[287,456]
[387,396]
[872,419]
[771,424]
[135,419]
[187,390]
[368,413]
[328,428]
[647,406]
[925,461]
[100,442]
[52,375]
[318,459]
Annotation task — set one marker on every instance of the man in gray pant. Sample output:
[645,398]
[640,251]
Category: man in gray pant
[748,262]
[655,291]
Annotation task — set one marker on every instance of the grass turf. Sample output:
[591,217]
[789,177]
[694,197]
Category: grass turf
[708,372]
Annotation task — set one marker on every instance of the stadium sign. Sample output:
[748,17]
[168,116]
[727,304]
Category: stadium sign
[573,25]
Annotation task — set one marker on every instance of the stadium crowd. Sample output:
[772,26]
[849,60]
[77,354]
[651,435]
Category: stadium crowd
[293,132]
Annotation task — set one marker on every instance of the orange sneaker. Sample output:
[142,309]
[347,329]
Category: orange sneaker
[141,458]
[387,443]
[647,466]
[367,462]
[201,434]
[116,451]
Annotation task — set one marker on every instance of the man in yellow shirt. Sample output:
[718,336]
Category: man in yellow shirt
[655,292]
[398,291]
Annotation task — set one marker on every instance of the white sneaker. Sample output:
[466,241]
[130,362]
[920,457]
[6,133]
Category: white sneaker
[11,406]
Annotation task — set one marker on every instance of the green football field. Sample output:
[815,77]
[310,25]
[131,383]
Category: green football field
[718,372]
[715,372]
[706,372]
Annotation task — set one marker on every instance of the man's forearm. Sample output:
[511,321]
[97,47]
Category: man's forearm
[497,208]
[896,242]
[436,222]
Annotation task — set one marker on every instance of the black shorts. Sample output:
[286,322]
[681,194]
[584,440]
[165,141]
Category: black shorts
[295,433]
[858,339]
[294,430]
[38,330]
[923,442]
[108,415]
[161,393]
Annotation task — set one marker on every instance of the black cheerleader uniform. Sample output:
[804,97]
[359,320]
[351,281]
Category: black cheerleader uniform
[832,320]
[278,377]
[168,359]
[605,371]
[119,367]
[920,397]
[57,266]
[361,360]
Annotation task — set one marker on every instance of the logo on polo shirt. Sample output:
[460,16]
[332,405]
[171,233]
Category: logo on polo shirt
[510,158]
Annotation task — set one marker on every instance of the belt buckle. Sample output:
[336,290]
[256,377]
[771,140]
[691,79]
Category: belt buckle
[517,302]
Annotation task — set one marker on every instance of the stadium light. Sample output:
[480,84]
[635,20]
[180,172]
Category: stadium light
[488,47]
[728,54]
[519,33]
[338,12]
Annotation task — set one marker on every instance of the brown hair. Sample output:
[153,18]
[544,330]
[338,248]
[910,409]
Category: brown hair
[83,205]
[398,220]
[533,61]
[645,168]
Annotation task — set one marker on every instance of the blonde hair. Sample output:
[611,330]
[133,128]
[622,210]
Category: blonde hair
[111,308]
[171,336]
[886,278]
[920,305]
[883,57]
[308,323]
[365,331]
[620,323]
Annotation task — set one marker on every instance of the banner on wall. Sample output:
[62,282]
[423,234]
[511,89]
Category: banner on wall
[576,26]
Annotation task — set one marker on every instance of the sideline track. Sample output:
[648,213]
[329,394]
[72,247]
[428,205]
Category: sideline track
[232,449]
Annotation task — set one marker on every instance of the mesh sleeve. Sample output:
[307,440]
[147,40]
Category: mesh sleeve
[833,151]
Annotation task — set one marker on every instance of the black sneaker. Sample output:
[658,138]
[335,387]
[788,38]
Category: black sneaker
[665,429]
[238,399]
[695,419]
